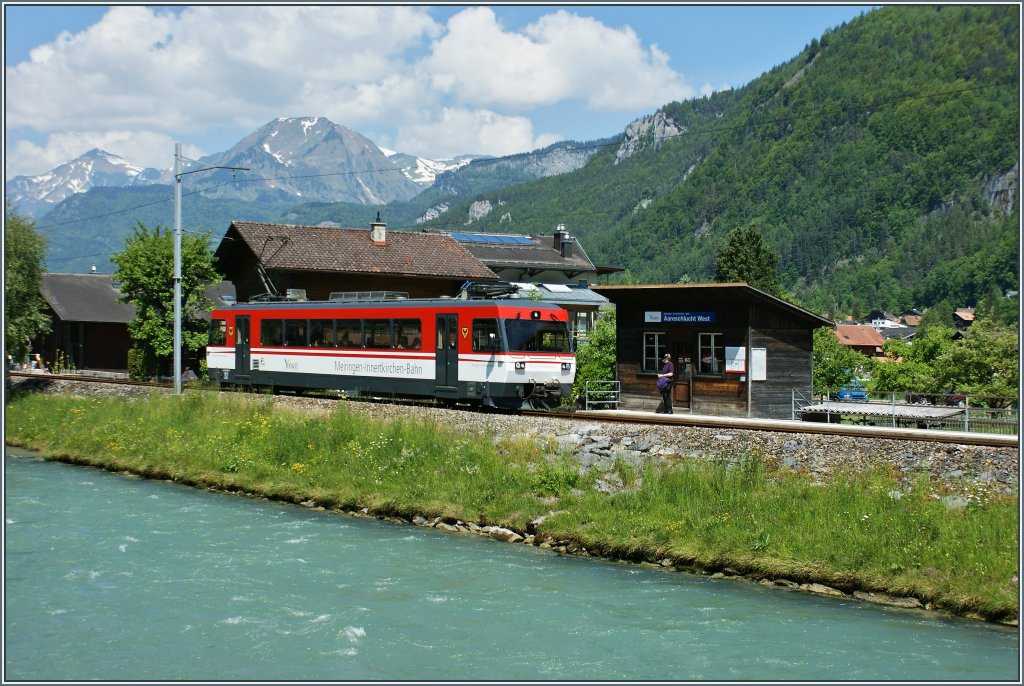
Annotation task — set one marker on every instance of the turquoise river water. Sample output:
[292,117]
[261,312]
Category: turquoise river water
[109,577]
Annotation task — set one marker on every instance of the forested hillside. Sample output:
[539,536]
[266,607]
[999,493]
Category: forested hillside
[881,163]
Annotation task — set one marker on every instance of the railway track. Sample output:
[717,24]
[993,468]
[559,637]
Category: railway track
[641,417]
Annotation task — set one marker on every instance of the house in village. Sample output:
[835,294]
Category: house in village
[315,261]
[860,337]
[963,317]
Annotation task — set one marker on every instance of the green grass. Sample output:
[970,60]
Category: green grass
[861,530]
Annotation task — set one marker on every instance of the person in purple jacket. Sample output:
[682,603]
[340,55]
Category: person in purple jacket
[668,372]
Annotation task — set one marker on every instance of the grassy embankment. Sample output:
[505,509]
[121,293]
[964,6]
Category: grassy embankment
[852,533]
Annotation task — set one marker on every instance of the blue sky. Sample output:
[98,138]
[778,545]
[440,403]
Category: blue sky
[430,81]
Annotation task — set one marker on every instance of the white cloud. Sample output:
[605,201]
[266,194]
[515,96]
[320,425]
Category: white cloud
[460,131]
[708,89]
[562,56]
[142,148]
[142,77]
[145,69]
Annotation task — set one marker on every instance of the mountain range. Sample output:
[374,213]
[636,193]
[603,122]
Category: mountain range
[304,159]
[881,163]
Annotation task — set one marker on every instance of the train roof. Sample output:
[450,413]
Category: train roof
[405,303]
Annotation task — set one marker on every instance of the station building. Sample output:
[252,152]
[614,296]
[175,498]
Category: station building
[738,351]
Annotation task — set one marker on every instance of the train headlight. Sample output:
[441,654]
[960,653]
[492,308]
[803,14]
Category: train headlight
[566,366]
[520,365]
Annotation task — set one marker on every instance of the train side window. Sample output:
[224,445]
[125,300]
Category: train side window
[350,333]
[485,335]
[271,332]
[321,333]
[295,332]
[378,333]
[408,333]
[218,332]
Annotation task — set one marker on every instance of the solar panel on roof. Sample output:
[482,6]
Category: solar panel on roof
[494,238]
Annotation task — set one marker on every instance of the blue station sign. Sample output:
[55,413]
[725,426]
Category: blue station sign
[686,317]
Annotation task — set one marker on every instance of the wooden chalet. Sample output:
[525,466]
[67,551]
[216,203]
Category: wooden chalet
[863,338]
[315,261]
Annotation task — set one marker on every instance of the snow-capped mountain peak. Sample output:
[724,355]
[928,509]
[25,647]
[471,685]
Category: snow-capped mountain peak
[94,169]
[309,158]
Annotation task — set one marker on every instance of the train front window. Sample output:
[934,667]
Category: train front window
[532,335]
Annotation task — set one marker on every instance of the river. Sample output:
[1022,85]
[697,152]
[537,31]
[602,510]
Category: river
[111,577]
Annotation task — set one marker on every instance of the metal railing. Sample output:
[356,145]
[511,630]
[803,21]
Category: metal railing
[601,395]
[938,411]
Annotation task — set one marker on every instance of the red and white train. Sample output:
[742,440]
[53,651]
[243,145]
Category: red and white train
[507,353]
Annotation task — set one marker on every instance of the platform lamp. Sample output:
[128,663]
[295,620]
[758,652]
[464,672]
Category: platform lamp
[177,257]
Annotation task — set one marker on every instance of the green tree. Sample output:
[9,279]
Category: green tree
[833,364]
[939,315]
[983,362]
[746,257]
[145,269]
[911,367]
[24,307]
[595,359]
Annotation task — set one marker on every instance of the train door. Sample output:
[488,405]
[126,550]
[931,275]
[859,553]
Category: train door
[242,348]
[446,349]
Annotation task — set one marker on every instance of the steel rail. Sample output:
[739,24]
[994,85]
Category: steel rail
[795,426]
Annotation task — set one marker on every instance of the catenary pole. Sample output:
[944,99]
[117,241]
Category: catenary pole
[177,257]
[177,268]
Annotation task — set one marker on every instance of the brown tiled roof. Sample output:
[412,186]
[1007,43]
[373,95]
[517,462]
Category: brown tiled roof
[859,335]
[341,250]
[965,313]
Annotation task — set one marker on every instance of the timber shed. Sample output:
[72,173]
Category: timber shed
[90,323]
[738,351]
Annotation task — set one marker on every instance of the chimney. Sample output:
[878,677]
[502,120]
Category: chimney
[377,231]
[566,247]
[560,235]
